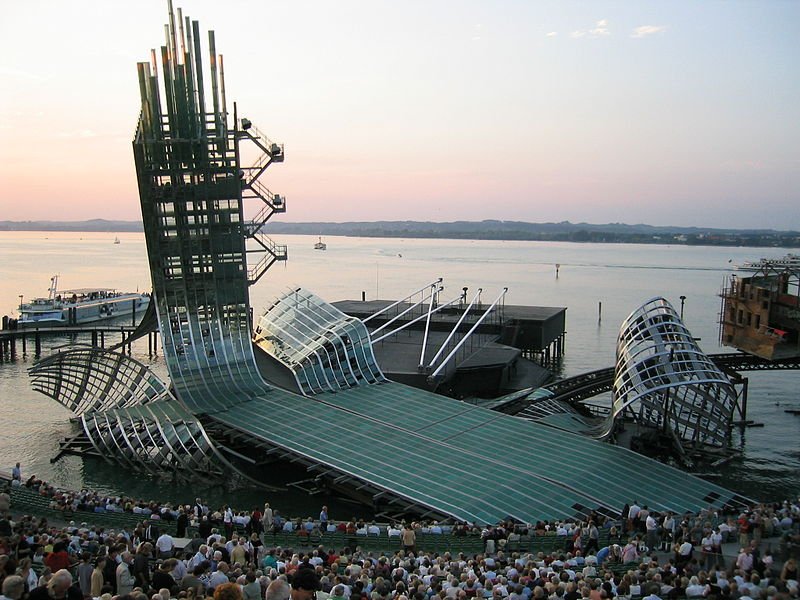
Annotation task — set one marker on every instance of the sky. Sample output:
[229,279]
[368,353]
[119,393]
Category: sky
[666,113]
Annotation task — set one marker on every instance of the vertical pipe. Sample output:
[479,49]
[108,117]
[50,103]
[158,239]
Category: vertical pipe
[168,90]
[155,98]
[212,52]
[201,102]
[745,385]
[146,115]
[182,34]
[222,94]
[171,33]
[191,89]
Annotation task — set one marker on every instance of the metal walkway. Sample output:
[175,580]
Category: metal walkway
[593,383]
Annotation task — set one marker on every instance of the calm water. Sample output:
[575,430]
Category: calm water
[621,277]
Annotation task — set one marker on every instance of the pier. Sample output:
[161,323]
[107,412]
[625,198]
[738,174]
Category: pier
[16,341]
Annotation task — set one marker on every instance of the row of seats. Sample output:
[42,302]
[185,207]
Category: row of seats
[28,500]
[427,542]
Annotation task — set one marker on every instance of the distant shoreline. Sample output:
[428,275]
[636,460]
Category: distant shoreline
[613,233]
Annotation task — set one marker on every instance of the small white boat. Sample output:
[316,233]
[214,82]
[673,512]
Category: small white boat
[79,306]
[320,245]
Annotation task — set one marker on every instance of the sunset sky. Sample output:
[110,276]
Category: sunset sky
[667,113]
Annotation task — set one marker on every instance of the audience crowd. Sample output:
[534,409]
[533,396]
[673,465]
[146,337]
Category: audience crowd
[640,554]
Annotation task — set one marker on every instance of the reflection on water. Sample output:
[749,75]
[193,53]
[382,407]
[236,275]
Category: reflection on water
[598,283]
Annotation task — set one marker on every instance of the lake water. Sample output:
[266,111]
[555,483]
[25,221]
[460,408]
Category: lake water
[621,277]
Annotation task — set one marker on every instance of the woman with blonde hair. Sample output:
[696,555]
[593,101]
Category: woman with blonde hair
[98,579]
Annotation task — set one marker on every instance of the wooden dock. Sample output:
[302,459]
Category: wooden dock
[16,341]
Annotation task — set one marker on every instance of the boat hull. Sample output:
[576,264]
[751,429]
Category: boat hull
[84,312]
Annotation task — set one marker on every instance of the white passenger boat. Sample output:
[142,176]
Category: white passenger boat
[790,262]
[79,306]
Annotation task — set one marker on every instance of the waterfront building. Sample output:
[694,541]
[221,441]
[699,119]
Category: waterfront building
[760,312]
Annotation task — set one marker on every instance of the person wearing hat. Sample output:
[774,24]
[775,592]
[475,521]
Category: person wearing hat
[305,584]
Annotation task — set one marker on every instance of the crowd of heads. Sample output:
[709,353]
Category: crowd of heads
[80,561]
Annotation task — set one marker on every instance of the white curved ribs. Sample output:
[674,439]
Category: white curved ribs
[665,381]
[325,349]
[128,414]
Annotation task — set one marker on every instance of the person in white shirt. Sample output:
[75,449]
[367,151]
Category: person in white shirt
[695,589]
[744,561]
[165,546]
[227,521]
[684,555]
[633,514]
[651,526]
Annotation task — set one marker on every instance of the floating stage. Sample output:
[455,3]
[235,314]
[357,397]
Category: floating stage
[462,349]
[402,449]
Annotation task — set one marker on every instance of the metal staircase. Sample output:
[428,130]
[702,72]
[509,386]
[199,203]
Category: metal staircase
[252,188]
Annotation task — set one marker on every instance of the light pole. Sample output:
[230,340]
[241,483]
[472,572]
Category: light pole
[683,299]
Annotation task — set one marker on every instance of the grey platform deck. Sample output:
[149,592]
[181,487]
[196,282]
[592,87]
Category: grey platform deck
[464,461]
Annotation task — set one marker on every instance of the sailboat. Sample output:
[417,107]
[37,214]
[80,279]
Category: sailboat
[116,240]
[320,245]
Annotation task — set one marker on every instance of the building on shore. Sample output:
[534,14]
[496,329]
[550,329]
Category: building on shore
[760,311]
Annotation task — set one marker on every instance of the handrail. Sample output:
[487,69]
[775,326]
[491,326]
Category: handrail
[468,334]
[259,135]
[409,323]
[456,326]
[277,250]
[393,304]
[396,317]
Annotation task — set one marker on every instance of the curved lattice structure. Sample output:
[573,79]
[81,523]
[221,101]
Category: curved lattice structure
[93,380]
[158,438]
[324,348]
[663,379]
[128,414]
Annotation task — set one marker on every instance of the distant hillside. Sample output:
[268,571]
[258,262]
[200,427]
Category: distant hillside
[91,225]
[484,230]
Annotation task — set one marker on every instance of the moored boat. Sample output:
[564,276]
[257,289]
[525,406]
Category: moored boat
[80,305]
[790,261]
